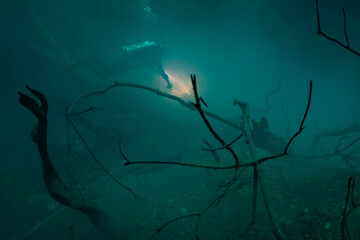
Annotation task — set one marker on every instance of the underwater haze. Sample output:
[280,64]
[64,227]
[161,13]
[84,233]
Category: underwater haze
[169,119]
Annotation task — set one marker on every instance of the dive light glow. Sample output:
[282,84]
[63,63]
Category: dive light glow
[181,85]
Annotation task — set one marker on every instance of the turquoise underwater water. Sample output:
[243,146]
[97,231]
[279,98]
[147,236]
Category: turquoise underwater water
[139,153]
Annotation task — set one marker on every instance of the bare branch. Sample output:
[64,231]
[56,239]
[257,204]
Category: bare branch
[90,109]
[347,46]
[345,33]
[171,221]
[223,147]
[251,163]
[157,92]
[199,215]
[197,105]
[245,125]
[301,128]
[121,152]
[213,153]
[99,163]
[267,98]
[349,200]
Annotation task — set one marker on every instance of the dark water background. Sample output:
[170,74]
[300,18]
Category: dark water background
[237,49]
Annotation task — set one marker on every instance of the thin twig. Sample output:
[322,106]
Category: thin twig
[345,31]
[257,173]
[301,128]
[267,98]
[213,153]
[347,47]
[215,201]
[171,221]
[197,105]
[350,194]
[348,157]
[153,90]
[99,163]
[90,109]
[121,152]
[251,163]
[223,147]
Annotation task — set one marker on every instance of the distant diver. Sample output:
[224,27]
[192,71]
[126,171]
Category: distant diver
[132,56]
[61,192]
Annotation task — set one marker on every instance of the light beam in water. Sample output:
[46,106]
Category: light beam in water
[181,85]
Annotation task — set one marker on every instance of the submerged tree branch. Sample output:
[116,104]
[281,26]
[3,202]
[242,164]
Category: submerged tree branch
[99,163]
[197,105]
[301,128]
[211,149]
[199,215]
[251,163]
[245,127]
[213,152]
[258,174]
[350,204]
[153,90]
[320,32]
[255,162]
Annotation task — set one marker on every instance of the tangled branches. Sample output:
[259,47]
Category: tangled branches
[238,166]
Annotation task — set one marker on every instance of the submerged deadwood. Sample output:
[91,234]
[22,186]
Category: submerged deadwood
[332,39]
[255,163]
[56,187]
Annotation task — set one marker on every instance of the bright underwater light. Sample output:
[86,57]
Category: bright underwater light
[181,85]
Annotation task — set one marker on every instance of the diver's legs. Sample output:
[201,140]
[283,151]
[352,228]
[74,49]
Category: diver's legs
[164,76]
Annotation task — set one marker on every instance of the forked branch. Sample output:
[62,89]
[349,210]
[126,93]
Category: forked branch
[320,32]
